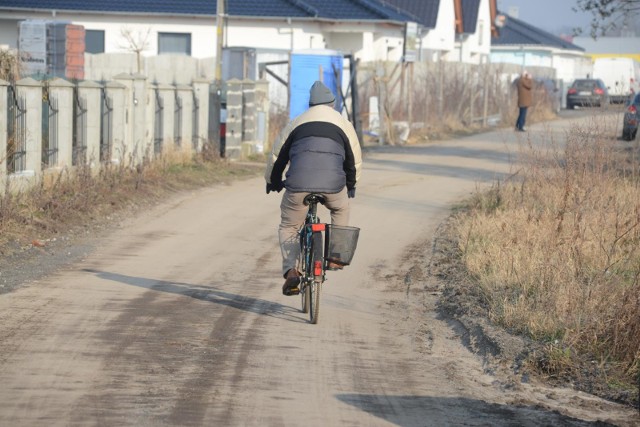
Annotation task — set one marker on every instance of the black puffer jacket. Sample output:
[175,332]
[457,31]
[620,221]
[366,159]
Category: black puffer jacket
[322,151]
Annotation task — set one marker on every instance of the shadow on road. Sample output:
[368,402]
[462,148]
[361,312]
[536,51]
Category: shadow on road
[456,411]
[203,293]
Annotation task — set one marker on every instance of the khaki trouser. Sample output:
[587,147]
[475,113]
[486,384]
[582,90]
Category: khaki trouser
[293,212]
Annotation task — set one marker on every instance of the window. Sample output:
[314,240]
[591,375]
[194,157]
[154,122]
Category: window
[94,41]
[179,43]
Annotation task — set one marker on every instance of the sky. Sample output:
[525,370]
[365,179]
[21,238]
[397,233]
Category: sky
[554,16]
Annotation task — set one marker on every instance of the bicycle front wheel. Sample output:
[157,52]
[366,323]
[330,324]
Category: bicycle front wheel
[313,290]
[305,293]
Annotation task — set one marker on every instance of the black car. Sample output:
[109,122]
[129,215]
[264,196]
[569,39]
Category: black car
[587,93]
[631,118]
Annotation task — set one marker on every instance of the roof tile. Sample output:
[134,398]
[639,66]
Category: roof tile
[329,9]
[517,32]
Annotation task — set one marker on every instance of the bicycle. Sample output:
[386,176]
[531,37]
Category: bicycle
[312,263]
[317,253]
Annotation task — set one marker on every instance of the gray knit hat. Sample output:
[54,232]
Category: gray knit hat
[320,94]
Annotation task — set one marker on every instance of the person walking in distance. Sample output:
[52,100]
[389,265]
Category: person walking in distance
[525,83]
[323,153]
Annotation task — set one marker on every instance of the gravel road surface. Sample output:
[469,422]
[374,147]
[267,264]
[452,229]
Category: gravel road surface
[176,318]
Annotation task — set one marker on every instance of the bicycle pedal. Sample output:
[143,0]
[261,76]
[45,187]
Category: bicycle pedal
[291,291]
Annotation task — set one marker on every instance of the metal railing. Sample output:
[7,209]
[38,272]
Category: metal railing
[106,127]
[49,129]
[158,125]
[17,132]
[79,141]
[177,120]
[195,122]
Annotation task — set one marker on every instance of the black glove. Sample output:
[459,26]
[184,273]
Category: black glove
[351,192]
[277,187]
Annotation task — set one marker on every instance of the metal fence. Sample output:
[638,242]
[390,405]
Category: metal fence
[158,125]
[177,121]
[17,131]
[49,129]
[195,122]
[106,126]
[79,141]
[56,124]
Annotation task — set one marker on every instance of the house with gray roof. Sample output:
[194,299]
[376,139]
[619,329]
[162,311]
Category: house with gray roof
[527,46]
[452,30]
[368,29]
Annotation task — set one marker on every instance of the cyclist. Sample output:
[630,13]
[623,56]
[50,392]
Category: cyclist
[323,153]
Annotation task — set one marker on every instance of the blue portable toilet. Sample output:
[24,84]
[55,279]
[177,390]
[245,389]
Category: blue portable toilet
[307,66]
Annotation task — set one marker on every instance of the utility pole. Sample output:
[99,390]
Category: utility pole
[219,37]
[216,104]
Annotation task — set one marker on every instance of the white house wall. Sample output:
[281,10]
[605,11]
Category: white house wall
[474,48]
[366,41]
[272,35]
[570,66]
[202,30]
[442,37]
[523,57]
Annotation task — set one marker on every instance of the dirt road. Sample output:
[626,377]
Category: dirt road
[178,319]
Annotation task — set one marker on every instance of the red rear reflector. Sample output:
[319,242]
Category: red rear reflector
[317,227]
[317,268]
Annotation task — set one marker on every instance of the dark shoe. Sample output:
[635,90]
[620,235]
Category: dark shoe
[292,283]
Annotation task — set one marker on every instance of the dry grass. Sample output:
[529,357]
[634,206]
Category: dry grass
[64,200]
[443,99]
[556,253]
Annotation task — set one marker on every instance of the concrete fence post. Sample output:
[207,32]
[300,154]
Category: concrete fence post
[167,94]
[248,118]
[115,93]
[234,119]
[185,95]
[152,107]
[142,142]
[61,92]
[201,93]
[262,115]
[31,91]
[127,154]
[90,92]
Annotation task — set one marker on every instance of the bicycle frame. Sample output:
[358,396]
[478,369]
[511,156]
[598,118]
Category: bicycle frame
[312,262]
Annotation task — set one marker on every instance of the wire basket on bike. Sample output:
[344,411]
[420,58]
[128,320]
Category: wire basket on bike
[340,243]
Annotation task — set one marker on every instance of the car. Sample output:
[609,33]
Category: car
[631,118]
[587,93]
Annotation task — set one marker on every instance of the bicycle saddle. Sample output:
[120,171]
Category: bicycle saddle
[316,198]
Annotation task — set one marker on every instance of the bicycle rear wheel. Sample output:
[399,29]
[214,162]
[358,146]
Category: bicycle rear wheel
[317,271]
[313,290]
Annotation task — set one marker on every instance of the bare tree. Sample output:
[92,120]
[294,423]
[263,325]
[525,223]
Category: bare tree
[608,15]
[137,42]
[9,65]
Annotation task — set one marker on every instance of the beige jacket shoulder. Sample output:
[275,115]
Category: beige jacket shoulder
[319,113]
